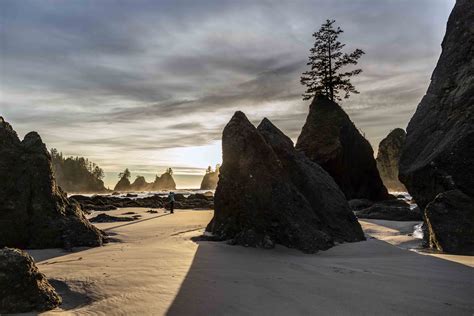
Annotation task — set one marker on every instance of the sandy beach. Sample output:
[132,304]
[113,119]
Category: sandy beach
[154,268]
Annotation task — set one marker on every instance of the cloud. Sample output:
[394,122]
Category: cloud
[124,82]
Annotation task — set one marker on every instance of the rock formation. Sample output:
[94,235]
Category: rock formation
[330,139]
[164,182]
[34,212]
[269,193]
[437,161]
[123,185]
[210,179]
[388,157]
[22,287]
[140,184]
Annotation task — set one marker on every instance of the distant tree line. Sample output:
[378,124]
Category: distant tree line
[77,174]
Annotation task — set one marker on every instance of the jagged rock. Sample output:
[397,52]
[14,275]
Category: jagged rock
[34,212]
[123,185]
[164,182]
[330,139]
[209,181]
[438,155]
[140,184]
[388,157]
[268,193]
[22,287]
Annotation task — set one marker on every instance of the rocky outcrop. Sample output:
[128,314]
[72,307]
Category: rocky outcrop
[34,212]
[209,181]
[388,157]
[164,182]
[330,139]
[22,287]
[269,193]
[438,156]
[123,185]
[391,210]
[140,184]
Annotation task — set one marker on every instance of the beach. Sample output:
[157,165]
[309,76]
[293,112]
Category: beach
[154,268]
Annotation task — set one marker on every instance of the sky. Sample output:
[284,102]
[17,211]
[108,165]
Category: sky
[147,85]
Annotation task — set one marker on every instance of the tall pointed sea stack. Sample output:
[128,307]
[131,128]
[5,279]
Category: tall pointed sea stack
[34,212]
[269,193]
[330,139]
[437,162]
[388,157]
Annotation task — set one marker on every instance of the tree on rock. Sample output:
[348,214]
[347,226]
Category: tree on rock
[126,174]
[326,60]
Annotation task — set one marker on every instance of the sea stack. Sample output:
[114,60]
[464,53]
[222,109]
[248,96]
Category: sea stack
[437,161]
[331,139]
[35,212]
[388,157]
[269,193]
[210,179]
[164,182]
[22,287]
[140,184]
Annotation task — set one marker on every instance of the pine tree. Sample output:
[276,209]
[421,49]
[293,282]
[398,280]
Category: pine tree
[326,60]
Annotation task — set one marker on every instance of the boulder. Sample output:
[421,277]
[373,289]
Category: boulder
[330,139]
[388,157]
[392,210]
[22,287]
[35,212]
[438,155]
[269,193]
[104,218]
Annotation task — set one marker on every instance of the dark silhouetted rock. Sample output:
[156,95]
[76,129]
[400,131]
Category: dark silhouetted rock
[269,193]
[450,218]
[22,287]
[209,181]
[34,212]
[104,218]
[140,184]
[392,210]
[438,155]
[388,157]
[330,139]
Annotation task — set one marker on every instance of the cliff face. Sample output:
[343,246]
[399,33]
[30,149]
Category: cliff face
[388,157]
[35,212]
[164,182]
[268,193]
[330,139]
[437,162]
[209,181]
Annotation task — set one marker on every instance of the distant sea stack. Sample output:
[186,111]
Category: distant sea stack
[269,193]
[437,162]
[331,139]
[23,288]
[210,179]
[388,157]
[165,181]
[35,212]
[140,184]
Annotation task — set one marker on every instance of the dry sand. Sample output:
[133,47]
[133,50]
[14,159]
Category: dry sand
[156,269]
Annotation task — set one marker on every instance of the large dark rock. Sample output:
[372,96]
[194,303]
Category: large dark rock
[22,287]
[392,210]
[330,139]
[34,212]
[438,155]
[209,181]
[450,218]
[123,185]
[268,193]
[388,157]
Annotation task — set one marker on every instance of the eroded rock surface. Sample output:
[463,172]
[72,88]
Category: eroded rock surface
[388,158]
